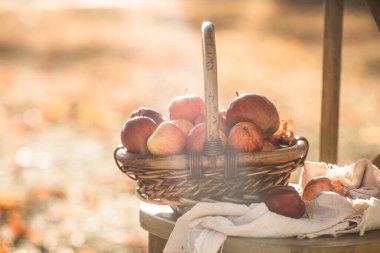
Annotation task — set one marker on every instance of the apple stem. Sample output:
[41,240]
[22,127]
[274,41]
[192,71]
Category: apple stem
[237,93]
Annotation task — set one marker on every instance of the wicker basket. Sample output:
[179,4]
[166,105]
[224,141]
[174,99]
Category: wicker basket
[187,179]
[214,175]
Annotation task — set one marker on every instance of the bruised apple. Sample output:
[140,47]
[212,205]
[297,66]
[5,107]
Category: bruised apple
[167,139]
[222,122]
[186,107]
[340,188]
[245,137]
[315,186]
[135,132]
[183,124]
[286,201]
[254,108]
[197,136]
[150,113]
[318,184]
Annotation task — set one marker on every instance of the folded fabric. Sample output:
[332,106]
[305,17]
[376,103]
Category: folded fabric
[205,227]
[356,175]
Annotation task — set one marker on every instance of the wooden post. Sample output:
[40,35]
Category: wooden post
[332,47]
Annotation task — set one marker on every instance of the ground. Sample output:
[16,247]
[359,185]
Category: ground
[69,78]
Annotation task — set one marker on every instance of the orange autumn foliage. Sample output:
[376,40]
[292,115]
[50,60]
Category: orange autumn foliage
[3,248]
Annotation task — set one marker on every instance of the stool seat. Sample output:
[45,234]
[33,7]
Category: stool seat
[159,221]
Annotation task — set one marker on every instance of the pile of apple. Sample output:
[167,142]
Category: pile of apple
[250,123]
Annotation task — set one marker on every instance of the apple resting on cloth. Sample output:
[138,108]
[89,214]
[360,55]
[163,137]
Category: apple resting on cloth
[197,136]
[167,139]
[315,186]
[150,113]
[286,201]
[245,137]
[186,107]
[254,108]
[135,132]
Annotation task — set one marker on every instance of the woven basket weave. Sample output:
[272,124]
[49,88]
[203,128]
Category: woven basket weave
[186,179]
[215,174]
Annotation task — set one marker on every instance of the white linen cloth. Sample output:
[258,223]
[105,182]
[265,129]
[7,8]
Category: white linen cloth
[205,227]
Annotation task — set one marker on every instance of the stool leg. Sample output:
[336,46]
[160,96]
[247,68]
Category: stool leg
[156,244]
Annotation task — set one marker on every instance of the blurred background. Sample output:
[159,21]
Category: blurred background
[72,71]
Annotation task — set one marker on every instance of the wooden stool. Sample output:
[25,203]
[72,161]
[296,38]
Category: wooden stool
[159,221]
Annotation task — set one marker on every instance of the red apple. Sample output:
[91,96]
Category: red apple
[223,113]
[199,119]
[197,136]
[167,139]
[135,133]
[150,113]
[245,137]
[315,186]
[222,122]
[267,146]
[183,124]
[286,201]
[254,108]
[186,107]
[339,188]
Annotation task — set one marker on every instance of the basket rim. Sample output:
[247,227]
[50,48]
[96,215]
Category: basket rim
[298,148]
